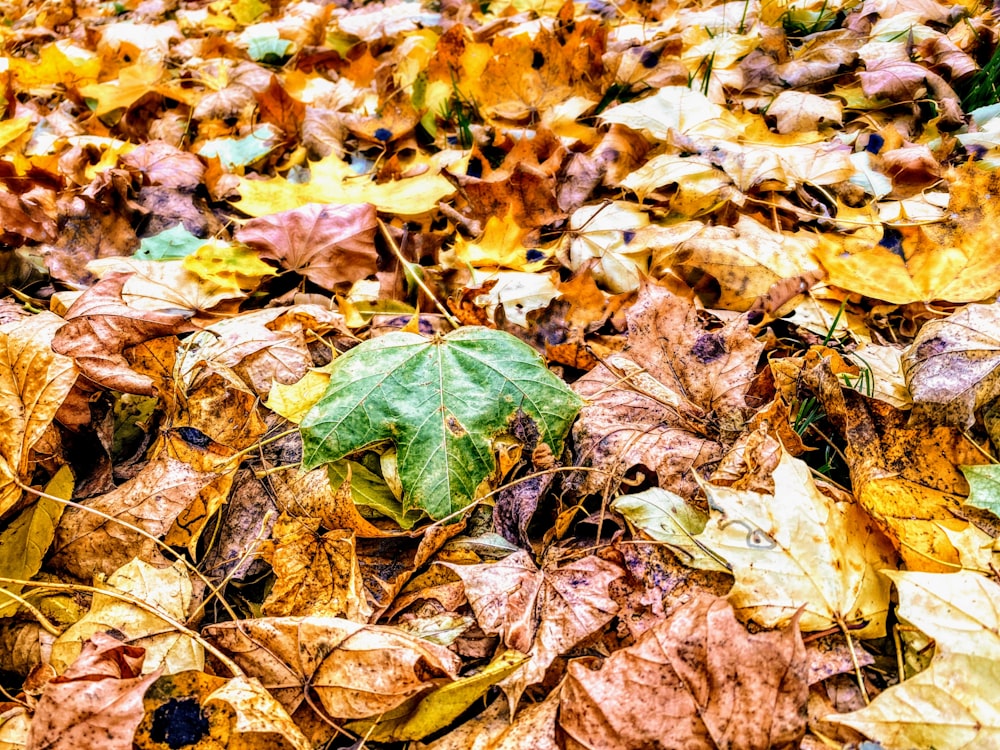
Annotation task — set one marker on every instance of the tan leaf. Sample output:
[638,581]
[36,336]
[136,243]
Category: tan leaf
[696,680]
[952,367]
[650,405]
[355,670]
[87,542]
[34,381]
[545,612]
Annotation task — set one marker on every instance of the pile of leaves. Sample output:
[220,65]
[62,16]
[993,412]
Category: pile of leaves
[499,374]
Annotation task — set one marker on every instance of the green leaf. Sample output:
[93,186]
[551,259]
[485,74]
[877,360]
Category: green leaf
[172,244]
[441,401]
[984,485]
[239,152]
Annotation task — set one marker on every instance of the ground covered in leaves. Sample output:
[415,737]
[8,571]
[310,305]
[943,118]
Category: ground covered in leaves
[499,375]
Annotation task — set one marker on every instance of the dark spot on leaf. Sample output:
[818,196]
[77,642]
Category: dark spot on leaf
[628,235]
[454,426]
[708,348]
[383,134]
[875,143]
[533,255]
[649,58]
[892,240]
[194,436]
[931,348]
[537,59]
[179,722]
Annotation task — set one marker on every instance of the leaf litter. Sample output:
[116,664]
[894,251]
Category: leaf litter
[514,374]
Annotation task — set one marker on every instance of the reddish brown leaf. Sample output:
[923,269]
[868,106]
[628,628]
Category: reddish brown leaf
[327,244]
[713,685]
[96,703]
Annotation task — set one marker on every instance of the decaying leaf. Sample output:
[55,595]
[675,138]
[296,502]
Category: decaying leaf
[707,679]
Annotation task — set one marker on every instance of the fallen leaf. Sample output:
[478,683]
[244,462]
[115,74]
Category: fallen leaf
[328,244]
[355,670]
[96,702]
[441,402]
[798,554]
[166,590]
[712,683]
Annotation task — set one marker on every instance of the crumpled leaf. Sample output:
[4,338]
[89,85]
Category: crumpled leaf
[950,704]
[355,670]
[96,702]
[441,402]
[317,574]
[328,244]
[152,500]
[441,707]
[100,325]
[696,680]
[669,400]
[797,549]
[906,478]
[543,612]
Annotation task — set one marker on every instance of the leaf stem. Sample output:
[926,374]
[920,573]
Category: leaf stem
[455,322]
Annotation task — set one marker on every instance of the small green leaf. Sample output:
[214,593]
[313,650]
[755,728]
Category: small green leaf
[984,483]
[172,244]
[441,401]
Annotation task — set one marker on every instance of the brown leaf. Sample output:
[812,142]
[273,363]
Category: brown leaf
[542,612]
[317,574]
[166,165]
[86,543]
[713,685]
[328,244]
[96,703]
[652,405]
[100,326]
[355,670]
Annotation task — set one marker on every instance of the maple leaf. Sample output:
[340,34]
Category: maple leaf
[327,244]
[440,402]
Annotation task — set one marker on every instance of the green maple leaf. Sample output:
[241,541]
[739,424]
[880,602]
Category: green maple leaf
[442,402]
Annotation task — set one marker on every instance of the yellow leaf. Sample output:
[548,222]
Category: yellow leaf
[24,543]
[953,260]
[167,590]
[236,268]
[333,181]
[59,64]
[501,245]
[799,549]
[133,83]
[293,401]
